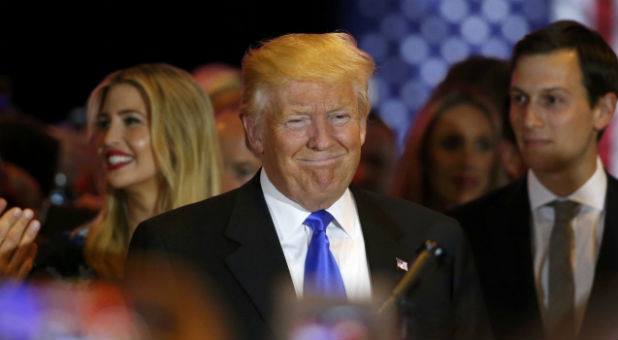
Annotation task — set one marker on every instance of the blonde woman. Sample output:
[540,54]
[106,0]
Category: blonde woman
[153,127]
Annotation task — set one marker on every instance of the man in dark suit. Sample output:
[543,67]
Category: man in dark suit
[546,246]
[304,112]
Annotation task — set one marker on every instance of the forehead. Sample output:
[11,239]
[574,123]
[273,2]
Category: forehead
[123,95]
[558,69]
[316,95]
[464,117]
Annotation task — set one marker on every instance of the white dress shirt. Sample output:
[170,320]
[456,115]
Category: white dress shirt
[344,233]
[587,226]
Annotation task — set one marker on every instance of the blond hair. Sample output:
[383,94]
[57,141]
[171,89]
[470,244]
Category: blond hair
[329,58]
[184,145]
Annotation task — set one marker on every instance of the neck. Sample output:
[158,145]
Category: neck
[565,182]
[141,206]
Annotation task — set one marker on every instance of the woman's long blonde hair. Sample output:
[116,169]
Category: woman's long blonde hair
[185,147]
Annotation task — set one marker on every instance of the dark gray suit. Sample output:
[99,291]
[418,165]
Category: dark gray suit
[498,227]
[231,241]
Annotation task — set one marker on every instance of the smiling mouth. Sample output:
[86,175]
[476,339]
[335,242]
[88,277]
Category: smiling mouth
[118,161]
[322,160]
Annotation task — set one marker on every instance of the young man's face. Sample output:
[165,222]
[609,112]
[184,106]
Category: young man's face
[555,126]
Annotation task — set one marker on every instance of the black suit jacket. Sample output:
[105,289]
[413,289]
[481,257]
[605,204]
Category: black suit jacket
[231,242]
[498,227]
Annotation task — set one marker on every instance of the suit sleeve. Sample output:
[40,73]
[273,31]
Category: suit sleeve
[147,245]
[471,319]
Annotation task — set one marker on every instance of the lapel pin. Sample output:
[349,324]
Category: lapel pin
[401,264]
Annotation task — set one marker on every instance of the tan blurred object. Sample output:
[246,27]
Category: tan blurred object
[376,169]
[175,304]
[316,318]
[239,163]
[222,83]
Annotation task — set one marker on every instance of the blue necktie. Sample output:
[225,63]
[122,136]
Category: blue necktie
[322,276]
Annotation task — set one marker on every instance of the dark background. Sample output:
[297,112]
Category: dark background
[55,54]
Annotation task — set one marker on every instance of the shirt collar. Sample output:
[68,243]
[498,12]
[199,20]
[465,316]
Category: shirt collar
[290,215]
[592,193]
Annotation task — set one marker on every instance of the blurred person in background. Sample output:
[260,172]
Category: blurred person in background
[451,154]
[491,78]
[222,83]
[376,170]
[239,163]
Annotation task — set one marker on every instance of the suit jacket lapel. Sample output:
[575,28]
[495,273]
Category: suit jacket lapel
[258,263]
[520,228]
[519,234]
[601,317]
[381,236]
[608,257]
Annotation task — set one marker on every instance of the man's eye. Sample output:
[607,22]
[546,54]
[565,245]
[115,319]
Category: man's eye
[552,100]
[340,118]
[296,122]
[518,98]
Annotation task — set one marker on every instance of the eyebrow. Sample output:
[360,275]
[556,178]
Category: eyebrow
[515,88]
[340,108]
[129,111]
[125,112]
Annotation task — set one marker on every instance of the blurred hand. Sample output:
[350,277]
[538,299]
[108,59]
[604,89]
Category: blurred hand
[18,230]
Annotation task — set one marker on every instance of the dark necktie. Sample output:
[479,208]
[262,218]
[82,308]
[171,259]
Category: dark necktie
[322,276]
[560,323]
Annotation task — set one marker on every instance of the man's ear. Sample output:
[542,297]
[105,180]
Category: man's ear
[363,128]
[253,133]
[604,111]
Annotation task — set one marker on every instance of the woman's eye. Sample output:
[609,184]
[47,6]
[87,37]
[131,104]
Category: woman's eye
[451,143]
[131,120]
[483,144]
[102,123]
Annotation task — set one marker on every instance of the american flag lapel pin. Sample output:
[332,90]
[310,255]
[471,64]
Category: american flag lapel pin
[401,264]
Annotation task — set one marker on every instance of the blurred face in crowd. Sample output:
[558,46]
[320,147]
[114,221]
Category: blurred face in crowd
[122,137]
[461,153]
[310,141]
[554,123]
[377,164]
[239,164]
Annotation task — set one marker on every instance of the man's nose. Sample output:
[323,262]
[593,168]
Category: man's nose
[320,134]
[531,117]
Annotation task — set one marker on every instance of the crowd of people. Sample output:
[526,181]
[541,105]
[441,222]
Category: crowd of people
[207,203]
